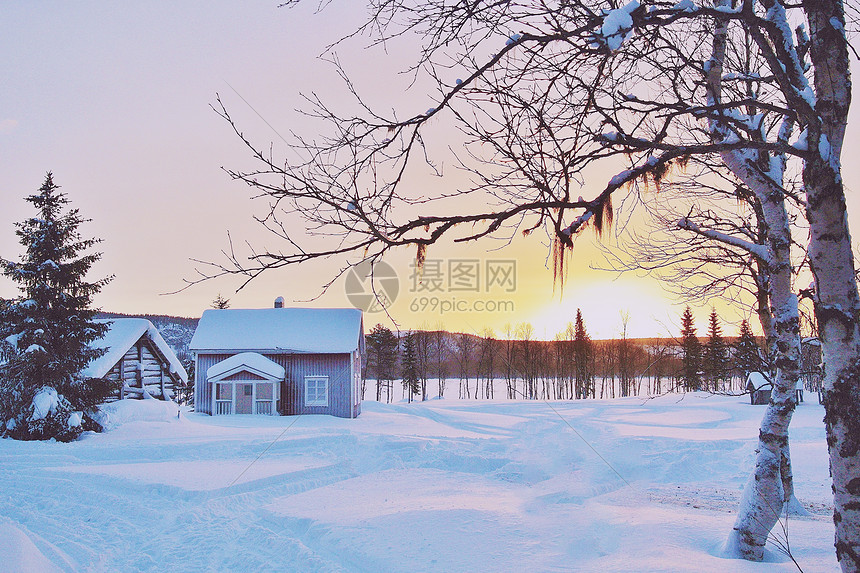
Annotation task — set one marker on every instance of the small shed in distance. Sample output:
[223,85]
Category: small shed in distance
[138,359]
[759,388]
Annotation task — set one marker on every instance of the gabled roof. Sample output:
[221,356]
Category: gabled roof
[757,379]
[247,361]
[122,335]
[299,330]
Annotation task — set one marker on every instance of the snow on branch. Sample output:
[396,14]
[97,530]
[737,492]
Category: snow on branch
[759,251]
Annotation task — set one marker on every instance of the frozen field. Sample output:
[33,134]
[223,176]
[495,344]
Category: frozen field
[445,485]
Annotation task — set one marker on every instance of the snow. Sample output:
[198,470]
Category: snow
[75,419]
[121,336]
[251,360]
[618,26]
[610,135]
[444,485]
[12,340]
[114,414]
[824,147]
[802,144]
[578,222]
[620,178]
[19,551]
[329,330]
[44,402]
[35,348]
[837,25]
[757,379]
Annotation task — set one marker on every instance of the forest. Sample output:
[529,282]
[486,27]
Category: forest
[572,365]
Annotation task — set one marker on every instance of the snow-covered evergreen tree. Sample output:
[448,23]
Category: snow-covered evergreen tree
[716,354]
[691,348]
[747,355]
[48,328]
[411,380]
[582,358]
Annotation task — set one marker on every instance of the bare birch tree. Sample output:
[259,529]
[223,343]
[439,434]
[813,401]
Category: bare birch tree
[440,358]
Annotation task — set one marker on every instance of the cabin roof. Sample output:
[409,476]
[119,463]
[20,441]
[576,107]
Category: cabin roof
[122,334]
[250,361]
[300,330]
[757,379]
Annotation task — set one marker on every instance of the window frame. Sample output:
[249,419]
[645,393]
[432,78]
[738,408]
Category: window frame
[317,402]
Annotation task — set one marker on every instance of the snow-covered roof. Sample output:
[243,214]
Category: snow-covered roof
[121,335]
[305,330]
[250,361]
[757,379]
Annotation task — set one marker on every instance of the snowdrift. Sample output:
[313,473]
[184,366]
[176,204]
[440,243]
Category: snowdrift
[114,414]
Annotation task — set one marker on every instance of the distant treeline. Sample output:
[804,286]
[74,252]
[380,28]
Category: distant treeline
[570,367]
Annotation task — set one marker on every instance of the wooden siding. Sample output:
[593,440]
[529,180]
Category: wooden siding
[202,389]
[336,366]
[142,368]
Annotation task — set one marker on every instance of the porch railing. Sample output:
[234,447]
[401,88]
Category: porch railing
[223,407]
[264,408]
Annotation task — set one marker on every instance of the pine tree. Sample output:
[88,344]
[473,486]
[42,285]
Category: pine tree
[582,357]
[716,353]
[49,327]
[409,376]
[692,353]
[220,302]
[747,356]
[382,358]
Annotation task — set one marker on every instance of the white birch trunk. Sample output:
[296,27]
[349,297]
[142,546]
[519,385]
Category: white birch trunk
[837,305]
[770,486]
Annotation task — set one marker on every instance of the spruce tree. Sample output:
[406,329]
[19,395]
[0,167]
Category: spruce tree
[716,353]
[747,355]
[47,330]
[410,378]
[582,355]
[220,302]
[692,353]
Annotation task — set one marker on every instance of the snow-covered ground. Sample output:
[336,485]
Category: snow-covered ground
[445,485]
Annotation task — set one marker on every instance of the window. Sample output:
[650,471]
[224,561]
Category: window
[249,389]
[316,391]
[356,379]
[223,391]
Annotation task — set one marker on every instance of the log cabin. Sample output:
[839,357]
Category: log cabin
[279,361]
[137,357]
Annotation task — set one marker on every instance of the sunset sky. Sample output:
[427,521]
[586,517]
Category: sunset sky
[114,99]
